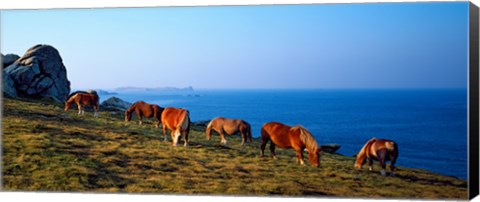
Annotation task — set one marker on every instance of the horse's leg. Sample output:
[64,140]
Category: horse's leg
[370,164]
[243,138]
[383,172]
[164,132]
[262,146]
[95,108]
[272,150]
[381,159]
[186,138]
[158,123]
[140,119]
[393,159]
[300,156]
[79,109]
[222,135]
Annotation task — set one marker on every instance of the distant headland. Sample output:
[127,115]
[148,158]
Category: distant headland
[168,88]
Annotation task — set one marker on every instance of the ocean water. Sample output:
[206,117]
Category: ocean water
[429,125]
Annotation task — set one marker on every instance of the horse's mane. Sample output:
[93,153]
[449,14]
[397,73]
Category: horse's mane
[70,98]
[93,92]
[210,123]
[132,107]
[366,146]
[307,138]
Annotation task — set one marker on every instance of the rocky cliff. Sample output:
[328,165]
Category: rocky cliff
[39,73]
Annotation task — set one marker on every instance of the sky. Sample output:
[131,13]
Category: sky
[375,45]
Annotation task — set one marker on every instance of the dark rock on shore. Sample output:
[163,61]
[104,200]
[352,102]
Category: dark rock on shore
[115,104]
[9,59]
[330,148]
[39,73]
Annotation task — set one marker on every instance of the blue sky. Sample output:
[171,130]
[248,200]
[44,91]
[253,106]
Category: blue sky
[377,45]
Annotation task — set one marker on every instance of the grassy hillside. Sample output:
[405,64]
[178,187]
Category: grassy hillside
[46,149]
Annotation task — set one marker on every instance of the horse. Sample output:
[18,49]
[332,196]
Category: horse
[296,137]
[229,126]
[143,109]
[381,150]
[83,98]
[178,122]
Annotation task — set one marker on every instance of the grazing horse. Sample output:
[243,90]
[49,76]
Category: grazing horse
[178,121]
[143,109]
[229,126]
[83,98]
[296,137]
[380,150]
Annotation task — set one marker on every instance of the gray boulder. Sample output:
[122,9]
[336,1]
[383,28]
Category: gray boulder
[8,86]
[115,103]
[8,59]
[39,73]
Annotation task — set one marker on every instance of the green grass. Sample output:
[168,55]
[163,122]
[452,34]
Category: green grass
[46,149]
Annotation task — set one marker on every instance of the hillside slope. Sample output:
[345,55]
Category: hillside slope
[46,149]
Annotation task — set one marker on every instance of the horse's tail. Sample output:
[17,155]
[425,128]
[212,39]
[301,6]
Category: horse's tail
[189,121]
[185,122]
[183,125]
[391,145]
[95,95]
[264,134]
[249,132]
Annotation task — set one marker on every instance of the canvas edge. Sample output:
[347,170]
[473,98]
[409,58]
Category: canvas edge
[473,94]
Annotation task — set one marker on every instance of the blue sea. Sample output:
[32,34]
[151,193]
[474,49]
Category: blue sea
[429,125]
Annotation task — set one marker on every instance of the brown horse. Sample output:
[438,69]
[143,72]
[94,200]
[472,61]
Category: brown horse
[229,126]
[143,109]
[380,150]
[178,121]
[286,137]
[83,98]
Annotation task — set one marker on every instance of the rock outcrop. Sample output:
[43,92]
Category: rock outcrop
[8,86]
[9,59]
[39,73]
[115,103]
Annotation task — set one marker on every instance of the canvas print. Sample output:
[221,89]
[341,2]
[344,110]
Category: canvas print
[317,100]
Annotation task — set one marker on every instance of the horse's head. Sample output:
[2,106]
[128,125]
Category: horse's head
[359,160]
[128,116]
[208,130]
[362,154]
[67,106]
[314,157]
